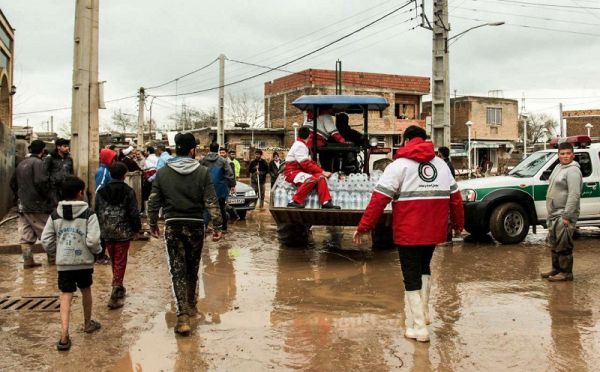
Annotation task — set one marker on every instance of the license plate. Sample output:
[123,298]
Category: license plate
[236,201]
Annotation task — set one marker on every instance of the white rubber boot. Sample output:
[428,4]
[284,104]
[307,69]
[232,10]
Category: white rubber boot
[408,319]
[419,330]
[425,290]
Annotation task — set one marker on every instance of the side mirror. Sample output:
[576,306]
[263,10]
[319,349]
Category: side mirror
[546,175]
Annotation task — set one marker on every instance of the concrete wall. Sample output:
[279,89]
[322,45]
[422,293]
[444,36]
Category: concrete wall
[7,168]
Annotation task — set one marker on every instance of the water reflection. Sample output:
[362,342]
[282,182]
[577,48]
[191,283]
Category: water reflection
[218,280]
[337,310]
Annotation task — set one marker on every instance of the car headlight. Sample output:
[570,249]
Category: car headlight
[250,193]
[468,195]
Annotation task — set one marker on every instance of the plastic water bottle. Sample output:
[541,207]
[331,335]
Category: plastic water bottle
[289,196]
[355,200]
[280,197]
[313,201]
[366,198]
[343,199]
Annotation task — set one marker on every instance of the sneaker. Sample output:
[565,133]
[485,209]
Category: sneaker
[183,325]
[293,204]
[547,274]
[561,277]
[329,205]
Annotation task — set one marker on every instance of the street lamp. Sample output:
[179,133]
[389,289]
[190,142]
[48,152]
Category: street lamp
[460,34]
[544,133]
[589,127]
[524,116]
[296,126]
[469,124]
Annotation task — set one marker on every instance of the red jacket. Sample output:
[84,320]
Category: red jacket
[423,193]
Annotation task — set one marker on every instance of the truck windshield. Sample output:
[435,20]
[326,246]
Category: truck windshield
[531,165]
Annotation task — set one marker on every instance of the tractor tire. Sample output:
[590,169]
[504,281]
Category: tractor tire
[293,235]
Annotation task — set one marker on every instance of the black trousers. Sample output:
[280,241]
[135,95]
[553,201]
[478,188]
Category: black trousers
[415,260]
[223,208]
[184,243]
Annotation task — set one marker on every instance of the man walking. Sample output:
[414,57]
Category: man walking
[222,178]
[58,165]
[183,188]
[30,184]
[236,164]
[562,203]
[421,188]
[444,154]
[259,168]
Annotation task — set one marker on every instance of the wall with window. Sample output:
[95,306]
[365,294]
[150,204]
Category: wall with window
[493,118]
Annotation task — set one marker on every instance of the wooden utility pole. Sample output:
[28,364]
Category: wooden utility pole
[84,109]
[440,79]
[221,113]
[140,133]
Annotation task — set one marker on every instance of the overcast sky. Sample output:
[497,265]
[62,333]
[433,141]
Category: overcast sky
[547,53]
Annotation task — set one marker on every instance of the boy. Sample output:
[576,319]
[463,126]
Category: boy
[563,203]
[72,235]
[119,218]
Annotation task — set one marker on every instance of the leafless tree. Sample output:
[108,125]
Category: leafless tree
[122,121]
[245,108]
[540,127]
[191,118]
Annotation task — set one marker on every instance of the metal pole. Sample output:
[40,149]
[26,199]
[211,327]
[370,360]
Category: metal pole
[221,122]
[140,131]
[469,153]
[52,124]
[525,138]
[563,129]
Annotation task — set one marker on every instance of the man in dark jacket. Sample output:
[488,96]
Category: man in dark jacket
[58,165]
[274,167]
[259,168]
[184,189]
[444,154]
[119,217]
[222,178]
[30,184]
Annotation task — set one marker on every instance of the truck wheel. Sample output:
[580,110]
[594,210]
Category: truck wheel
[382,237]
[293,235]
[509,223]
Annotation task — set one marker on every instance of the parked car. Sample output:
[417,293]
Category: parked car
[508,205]
[244,199]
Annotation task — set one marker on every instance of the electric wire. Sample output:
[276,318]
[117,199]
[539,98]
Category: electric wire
[300,57]
[184,75]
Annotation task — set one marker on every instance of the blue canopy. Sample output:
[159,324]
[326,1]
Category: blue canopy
[342,103]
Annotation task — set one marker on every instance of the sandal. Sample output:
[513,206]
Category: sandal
[92,327]
[63,347]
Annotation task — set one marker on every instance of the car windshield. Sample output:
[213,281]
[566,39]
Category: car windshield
[531,165]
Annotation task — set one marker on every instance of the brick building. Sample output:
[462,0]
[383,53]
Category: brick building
[577,119]
[404,94]
[493,133]
[7,139]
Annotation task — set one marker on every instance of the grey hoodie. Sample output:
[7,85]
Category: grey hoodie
[564,192]
[184,190]
[72,234]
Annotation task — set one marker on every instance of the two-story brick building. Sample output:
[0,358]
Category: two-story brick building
[577,120]
[7,140]
[493,133]
[404,94]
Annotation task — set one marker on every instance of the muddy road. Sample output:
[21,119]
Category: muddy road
[267,307]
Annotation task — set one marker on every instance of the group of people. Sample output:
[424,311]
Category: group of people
[192,197]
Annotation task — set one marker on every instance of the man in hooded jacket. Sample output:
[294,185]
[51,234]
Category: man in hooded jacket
[184,190]
[423,193]
[107,157]
[222,178]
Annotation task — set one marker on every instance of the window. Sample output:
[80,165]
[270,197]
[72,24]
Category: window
[5,38]
[494,116]
[3,60]
[380,141]
[585,164]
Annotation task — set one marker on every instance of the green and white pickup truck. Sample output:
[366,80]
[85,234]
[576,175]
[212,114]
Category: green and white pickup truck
[508,205]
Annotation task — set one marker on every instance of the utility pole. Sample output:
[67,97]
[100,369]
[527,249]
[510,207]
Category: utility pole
[440,79]
[84,109]
[141,102]
[338,77]
[563,128]
[221,118]
[52,123]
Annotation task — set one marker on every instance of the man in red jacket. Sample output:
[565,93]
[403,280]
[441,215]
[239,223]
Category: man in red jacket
[303,172]
[423,193]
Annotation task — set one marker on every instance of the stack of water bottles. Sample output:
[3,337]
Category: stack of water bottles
[349,192]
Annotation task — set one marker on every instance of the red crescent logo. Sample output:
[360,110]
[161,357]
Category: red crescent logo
[426,171]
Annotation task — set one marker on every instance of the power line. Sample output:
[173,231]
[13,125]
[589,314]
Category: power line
[184,75]
[533,27]
[526,16]
[549,5]
[67,108]
[300,57]
[538,6]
